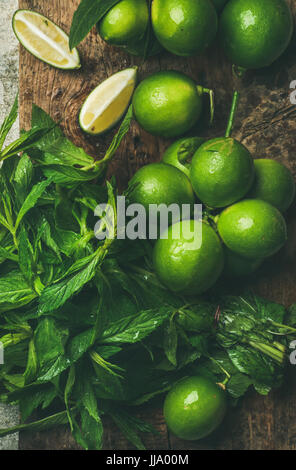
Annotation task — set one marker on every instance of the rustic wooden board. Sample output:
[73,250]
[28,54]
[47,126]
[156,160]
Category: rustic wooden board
[265,124]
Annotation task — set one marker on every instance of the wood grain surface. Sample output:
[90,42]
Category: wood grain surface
[266,124]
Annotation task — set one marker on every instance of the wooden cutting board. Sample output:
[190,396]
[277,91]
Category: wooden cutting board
[266,124]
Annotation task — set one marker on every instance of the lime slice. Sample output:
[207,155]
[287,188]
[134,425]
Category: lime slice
[107,103]
[44,39]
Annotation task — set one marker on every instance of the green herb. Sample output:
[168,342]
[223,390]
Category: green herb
[87,329]
[86,16]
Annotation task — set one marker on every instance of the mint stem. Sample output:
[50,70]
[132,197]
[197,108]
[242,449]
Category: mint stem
[274,353]
[289,329]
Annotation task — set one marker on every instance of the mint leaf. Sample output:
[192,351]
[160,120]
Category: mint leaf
[26,141]
[40,425]
[30,401]
[238,384]
[136,327]
[49,342]
[55,147]
[42,120]
[127,426]
[75,349]
[14,291]
[32,364]
[8,122]
[171,341]
[86,16]
[56,295]
[92,431]
[23,177]
[122,131]
[61,151]
[31,200]
[69,175]
[26,256]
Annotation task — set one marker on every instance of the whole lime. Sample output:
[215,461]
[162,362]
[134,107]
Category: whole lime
[237,266]
[180,153]
[255,33]
[184,27]
[273,183]
[167,104]
[125,23]
[158,183]
[194,408]
[252,228]
[188,258]
[219,4]
[221,172]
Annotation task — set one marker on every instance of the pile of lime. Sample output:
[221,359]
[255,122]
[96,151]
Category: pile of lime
[253,33]
[243,201]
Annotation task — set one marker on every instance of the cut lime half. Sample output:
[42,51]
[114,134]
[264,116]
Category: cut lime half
[107,103]
[44,39]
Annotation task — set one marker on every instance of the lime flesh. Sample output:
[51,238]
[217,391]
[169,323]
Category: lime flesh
[107,103]
[44,39]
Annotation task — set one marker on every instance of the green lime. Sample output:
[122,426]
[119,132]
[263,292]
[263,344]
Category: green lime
[219,4]
[194,408]
[222,171]
[158,183]
[273,183]
[255,33]
[188,258]
[167,104]
[252,228]
[125,23]
[139,48]
[236,266]
[180,153]
[184,27]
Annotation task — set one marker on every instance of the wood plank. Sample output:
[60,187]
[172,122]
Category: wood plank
[265,124]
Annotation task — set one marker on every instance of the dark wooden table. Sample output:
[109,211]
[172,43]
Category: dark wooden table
[266,124]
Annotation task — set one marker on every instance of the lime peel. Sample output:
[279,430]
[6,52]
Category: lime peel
[44,39]
[107,103]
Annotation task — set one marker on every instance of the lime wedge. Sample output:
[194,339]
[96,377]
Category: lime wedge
[44,39]
[107,103]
